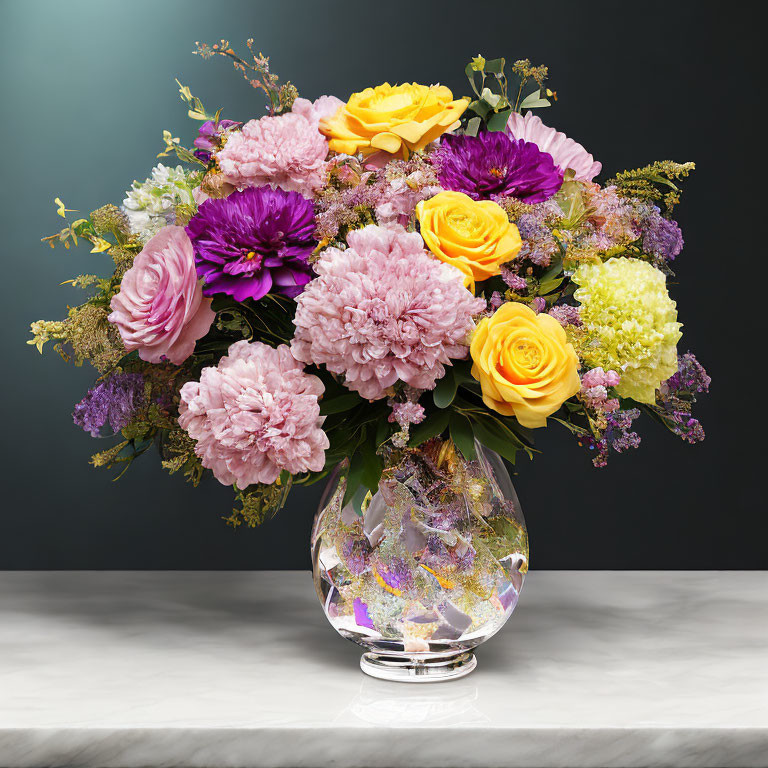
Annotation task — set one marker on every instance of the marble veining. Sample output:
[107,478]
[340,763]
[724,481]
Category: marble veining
[234,669]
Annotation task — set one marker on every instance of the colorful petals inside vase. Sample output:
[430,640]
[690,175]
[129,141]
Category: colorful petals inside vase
[425,569]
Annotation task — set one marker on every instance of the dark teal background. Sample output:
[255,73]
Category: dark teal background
[86,89]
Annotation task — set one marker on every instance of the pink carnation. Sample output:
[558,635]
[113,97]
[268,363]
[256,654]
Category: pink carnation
[287,151]
[160,309]
[255,414]
[384,310]
[565,152]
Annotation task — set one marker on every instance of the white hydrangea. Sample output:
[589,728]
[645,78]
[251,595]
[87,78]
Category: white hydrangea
[151,205]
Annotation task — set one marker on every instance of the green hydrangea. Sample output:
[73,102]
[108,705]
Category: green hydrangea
[630,324]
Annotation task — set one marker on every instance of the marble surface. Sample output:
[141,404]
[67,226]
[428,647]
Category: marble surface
[220,670]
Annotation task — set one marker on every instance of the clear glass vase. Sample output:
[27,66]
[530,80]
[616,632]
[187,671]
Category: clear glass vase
[425,569]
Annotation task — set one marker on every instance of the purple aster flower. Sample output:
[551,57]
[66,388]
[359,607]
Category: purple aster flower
[209,137]
[661,237]
[493,165]
[253,242]
[114,400]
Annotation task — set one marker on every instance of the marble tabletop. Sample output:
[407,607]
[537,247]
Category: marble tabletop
[234,669]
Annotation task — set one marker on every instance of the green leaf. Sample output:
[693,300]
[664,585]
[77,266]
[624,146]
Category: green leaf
[462,370]
[469,71]
[371,467]
[434,424]
[479,107]
[473,126]
[462,435]
[534,100]
[354,477]
[554,269]
[494,66]
[495,436]
[445,390]
[490,98]
[498,121]
[340,403]
[547,286]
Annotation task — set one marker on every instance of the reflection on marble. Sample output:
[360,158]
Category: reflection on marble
[122,670]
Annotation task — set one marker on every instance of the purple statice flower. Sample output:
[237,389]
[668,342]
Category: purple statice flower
[438,555]
[356,552]
[685,426]
[464,559]
[253,242]
[209,137]
[437,552]
[566,315]
[395,573]
[114,401]
[690,377]
[618,434]
[496,300]
[492,165]
[616,437]
[539,244]
[515,281]
[676,396]
[661,236]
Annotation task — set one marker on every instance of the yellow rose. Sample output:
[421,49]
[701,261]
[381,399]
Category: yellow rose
[524,363]
[474,236]
[393,119]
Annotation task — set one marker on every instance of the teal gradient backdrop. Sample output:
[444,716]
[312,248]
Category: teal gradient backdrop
[88,87]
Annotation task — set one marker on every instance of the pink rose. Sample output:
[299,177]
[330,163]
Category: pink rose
[160,309]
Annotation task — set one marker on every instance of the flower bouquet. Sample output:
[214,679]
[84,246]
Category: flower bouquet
[391,292]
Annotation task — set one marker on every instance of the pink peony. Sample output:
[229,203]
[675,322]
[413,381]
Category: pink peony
[384,310]
[255,414]
[160,309]
[287,151]
[565,152]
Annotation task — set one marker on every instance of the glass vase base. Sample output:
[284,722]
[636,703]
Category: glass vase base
[408,670]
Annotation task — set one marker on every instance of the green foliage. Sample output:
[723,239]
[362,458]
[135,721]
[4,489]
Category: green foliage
[173,144]
[462,434]
[177,449]
[259,502]
[654,182]
[461,415]
[493,103]
[196,109]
